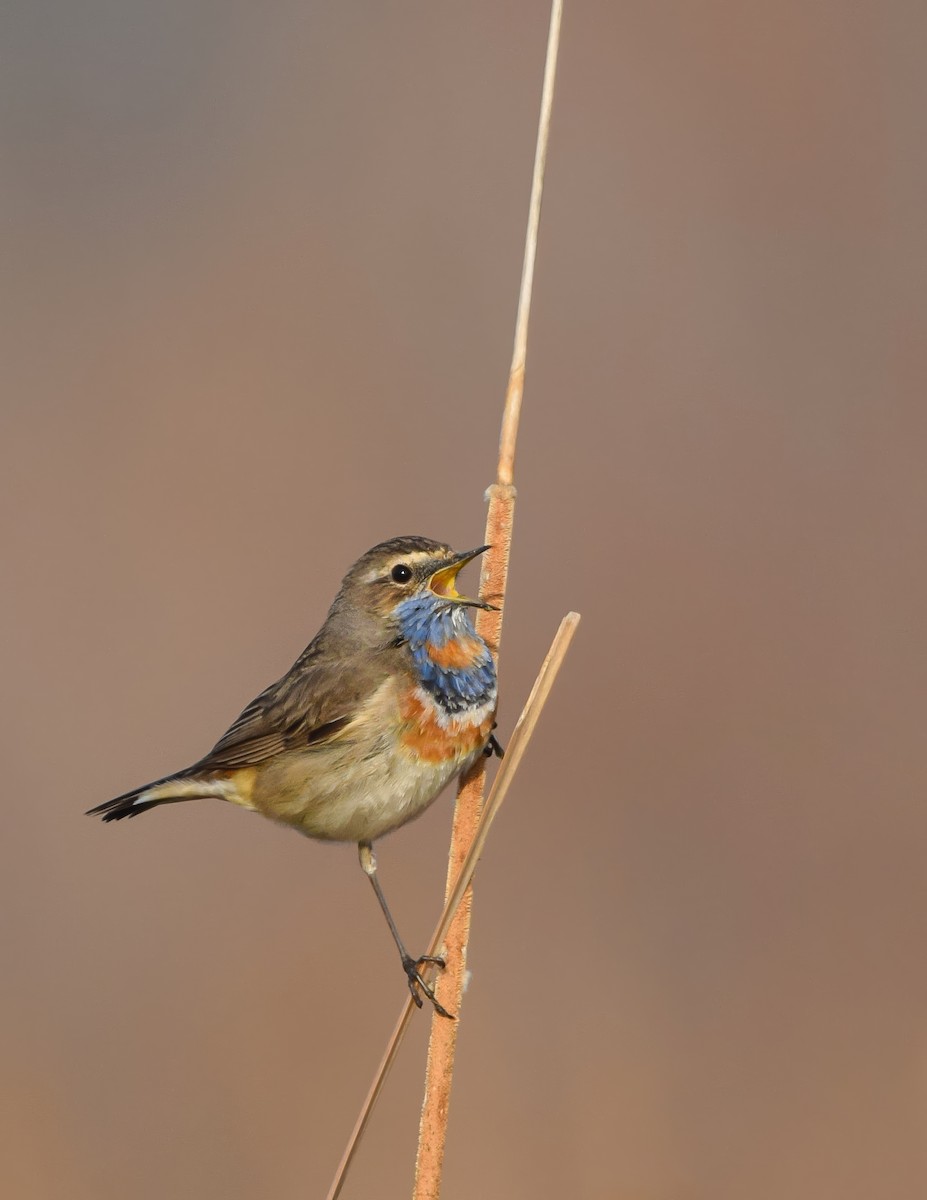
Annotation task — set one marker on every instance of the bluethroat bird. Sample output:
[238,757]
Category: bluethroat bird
[393,698]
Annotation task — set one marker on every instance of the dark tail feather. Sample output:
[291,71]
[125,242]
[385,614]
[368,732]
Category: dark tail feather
[139,800]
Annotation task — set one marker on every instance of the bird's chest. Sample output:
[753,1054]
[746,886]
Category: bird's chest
[428,734]
[447,711]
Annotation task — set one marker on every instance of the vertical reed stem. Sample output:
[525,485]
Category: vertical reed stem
[499,522]
[468,832]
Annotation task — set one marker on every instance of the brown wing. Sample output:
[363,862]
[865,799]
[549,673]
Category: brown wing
[314,702]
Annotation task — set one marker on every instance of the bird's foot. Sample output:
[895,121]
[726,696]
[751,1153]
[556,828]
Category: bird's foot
[417,981]
[493,747]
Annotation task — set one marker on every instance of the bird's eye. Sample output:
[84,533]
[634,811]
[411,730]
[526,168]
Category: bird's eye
[401,573]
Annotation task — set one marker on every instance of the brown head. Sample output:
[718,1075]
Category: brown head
[392,572]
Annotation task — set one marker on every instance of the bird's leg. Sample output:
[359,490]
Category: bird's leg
[410,965]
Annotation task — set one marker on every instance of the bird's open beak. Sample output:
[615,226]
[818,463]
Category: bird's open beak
[443,582]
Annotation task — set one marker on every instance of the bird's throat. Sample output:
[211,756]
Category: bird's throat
[452,661]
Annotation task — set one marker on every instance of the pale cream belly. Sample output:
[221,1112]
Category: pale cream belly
[348,793]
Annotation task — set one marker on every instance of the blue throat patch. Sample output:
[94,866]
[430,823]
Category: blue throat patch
[427,620]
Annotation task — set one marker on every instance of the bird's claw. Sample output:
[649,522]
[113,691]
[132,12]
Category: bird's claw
[493,747]
[417,981]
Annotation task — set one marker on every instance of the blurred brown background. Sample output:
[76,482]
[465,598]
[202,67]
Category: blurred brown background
[262,263]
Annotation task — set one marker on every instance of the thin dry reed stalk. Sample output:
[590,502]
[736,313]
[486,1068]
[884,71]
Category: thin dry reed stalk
[518,743]
[469,829]
[442,1044]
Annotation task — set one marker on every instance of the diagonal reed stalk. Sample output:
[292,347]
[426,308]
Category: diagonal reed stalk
[470,827]
[515,751]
